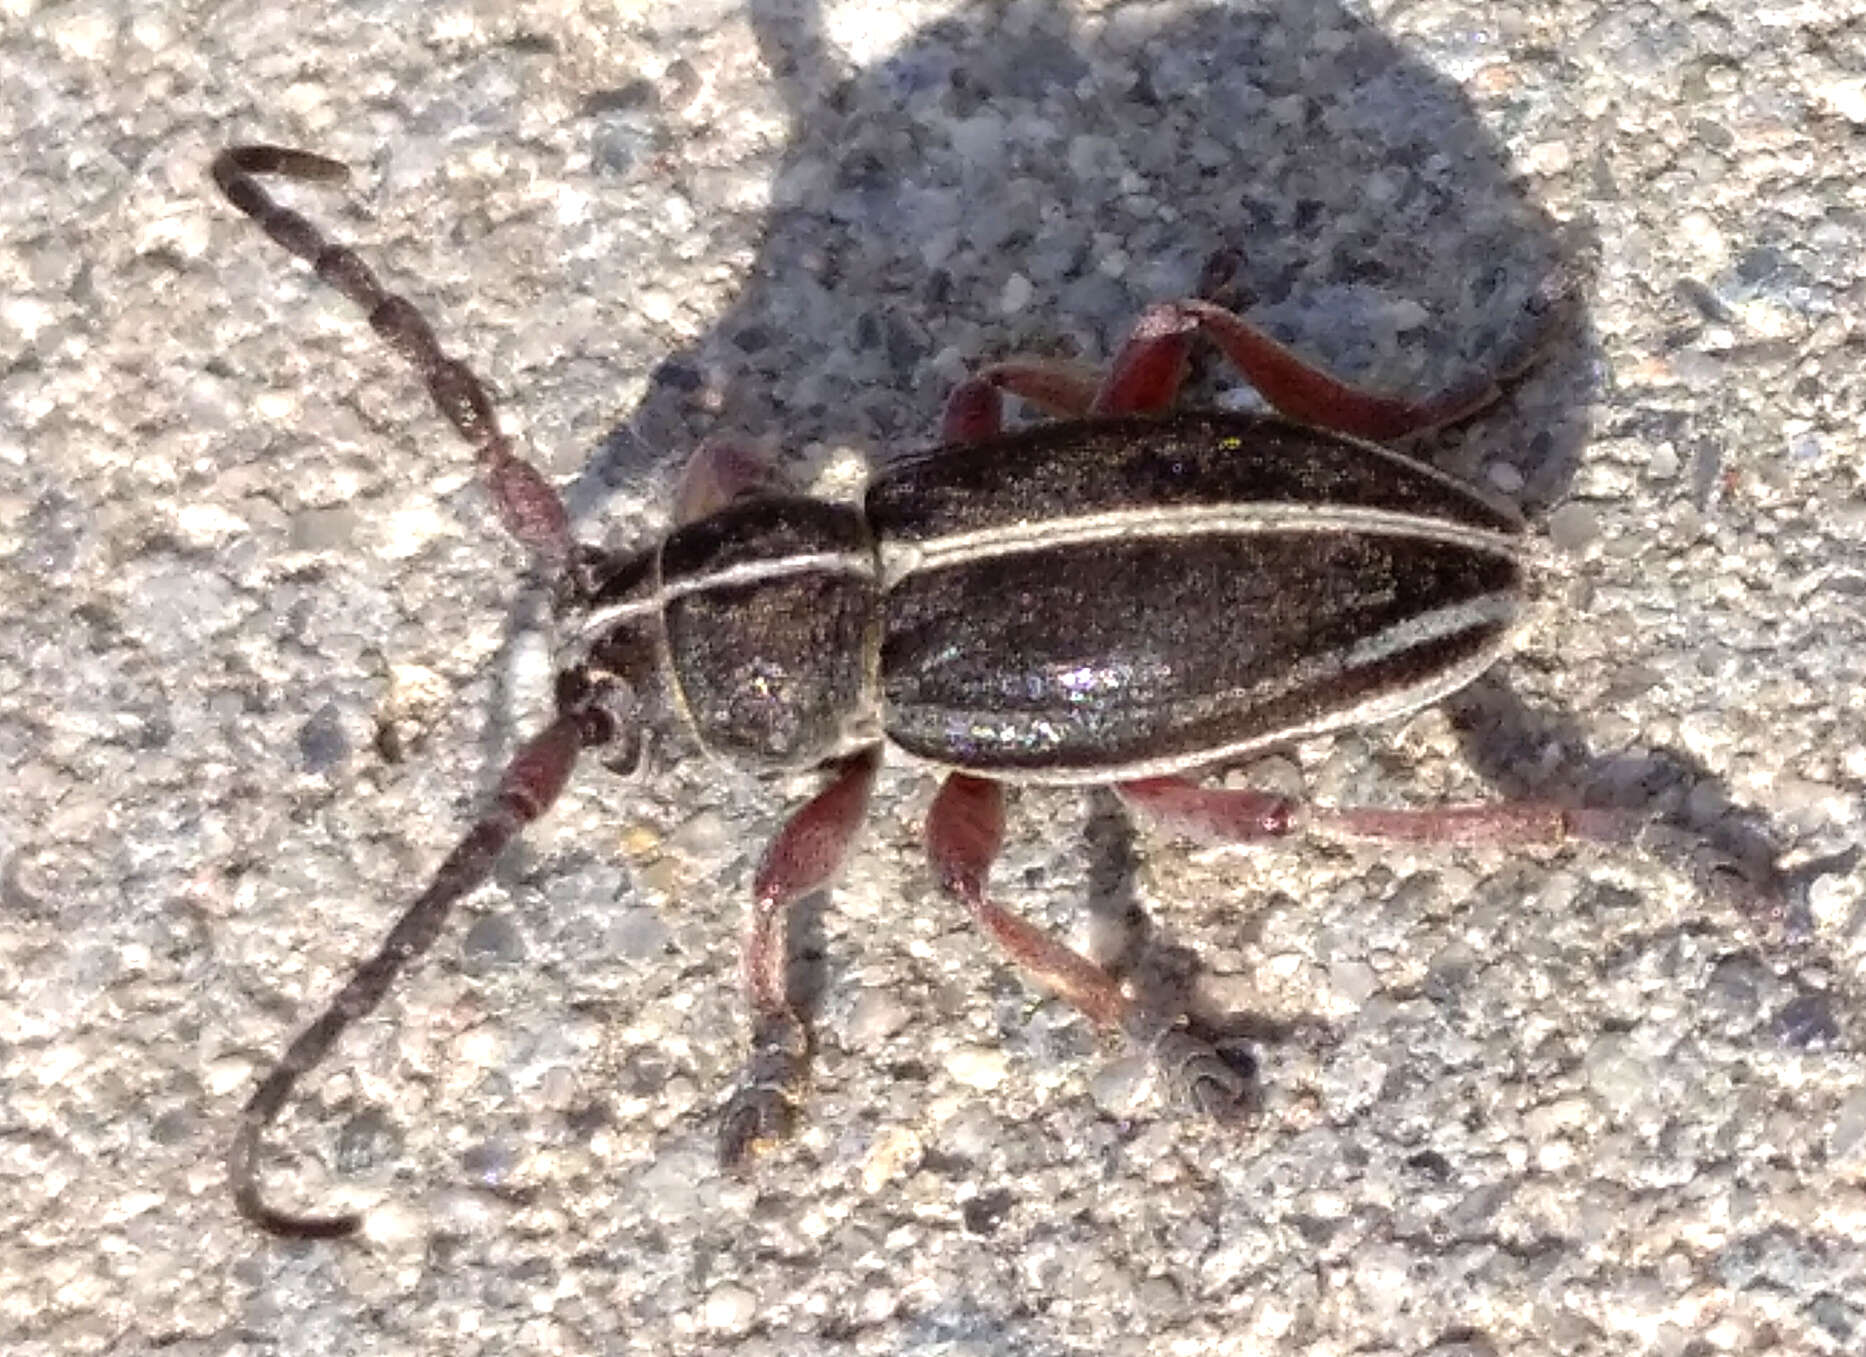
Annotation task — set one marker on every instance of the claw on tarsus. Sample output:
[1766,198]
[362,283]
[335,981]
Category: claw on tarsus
[763,1112]
[1201,1076]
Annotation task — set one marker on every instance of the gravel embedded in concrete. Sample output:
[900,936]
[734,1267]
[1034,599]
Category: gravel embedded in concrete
[264,651]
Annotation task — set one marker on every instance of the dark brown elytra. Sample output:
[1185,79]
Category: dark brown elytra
[751,585]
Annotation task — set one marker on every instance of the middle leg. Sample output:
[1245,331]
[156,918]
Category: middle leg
[965,830]
[1144,378]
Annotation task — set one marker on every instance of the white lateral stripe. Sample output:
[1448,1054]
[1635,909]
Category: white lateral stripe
[899,559]
[1439,624]
[856,564]
[1370,710]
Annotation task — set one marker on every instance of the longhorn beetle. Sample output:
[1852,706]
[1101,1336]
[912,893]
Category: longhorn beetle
[1123,597]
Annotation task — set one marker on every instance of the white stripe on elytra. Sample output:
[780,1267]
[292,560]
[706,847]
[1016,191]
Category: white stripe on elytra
[900,559]
[1437,624]
[1385,705]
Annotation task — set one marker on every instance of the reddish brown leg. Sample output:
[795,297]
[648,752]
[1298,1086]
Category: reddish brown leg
[527,504]
[1144,377]
[530,784]
[1305,392]
[1209,814]
[965,830]
[800,861]
[720,471]
[1218,815]
[1063,389]
[974,411]
[1146,374]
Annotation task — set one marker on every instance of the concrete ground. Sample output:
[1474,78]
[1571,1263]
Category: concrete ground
[264,651]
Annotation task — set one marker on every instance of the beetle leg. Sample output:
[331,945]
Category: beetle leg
[800,861]
[1146,374]
[965,830]
[1052,385]
[1209,814]
[974,411]
[1304,392]
[720,471]
[1215,815]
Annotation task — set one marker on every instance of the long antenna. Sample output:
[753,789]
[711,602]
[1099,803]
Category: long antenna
[530,508]
[532,512]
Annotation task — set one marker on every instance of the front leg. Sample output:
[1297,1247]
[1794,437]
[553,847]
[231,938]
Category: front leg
[801,860]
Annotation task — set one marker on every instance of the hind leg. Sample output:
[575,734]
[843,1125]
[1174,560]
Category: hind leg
[1150,367]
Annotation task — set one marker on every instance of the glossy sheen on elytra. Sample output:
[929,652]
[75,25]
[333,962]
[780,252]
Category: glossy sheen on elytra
[1138,596]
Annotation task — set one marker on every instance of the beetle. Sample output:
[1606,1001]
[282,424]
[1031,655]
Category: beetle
[1124,597]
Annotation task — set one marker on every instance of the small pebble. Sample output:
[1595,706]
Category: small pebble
[323,529]
[1573,526]
[1807,1022]
[1847,1139]
[638,934]
[878,1015]
[1505,476]
[1845,95]
[1354,981]
[730,1309]
[701,836]
[638,841]
[1119,1087]
[977,1067]
[894,1152]
[391,1224]
[1615,1072]
[493,940]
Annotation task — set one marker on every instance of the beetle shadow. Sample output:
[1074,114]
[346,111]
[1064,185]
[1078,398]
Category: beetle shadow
[1023,179]
[1161,974]
[1679,812]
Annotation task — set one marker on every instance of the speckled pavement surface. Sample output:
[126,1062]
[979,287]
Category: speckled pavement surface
[264,651]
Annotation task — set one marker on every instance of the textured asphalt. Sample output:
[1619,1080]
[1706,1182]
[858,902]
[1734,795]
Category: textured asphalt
[264,652]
